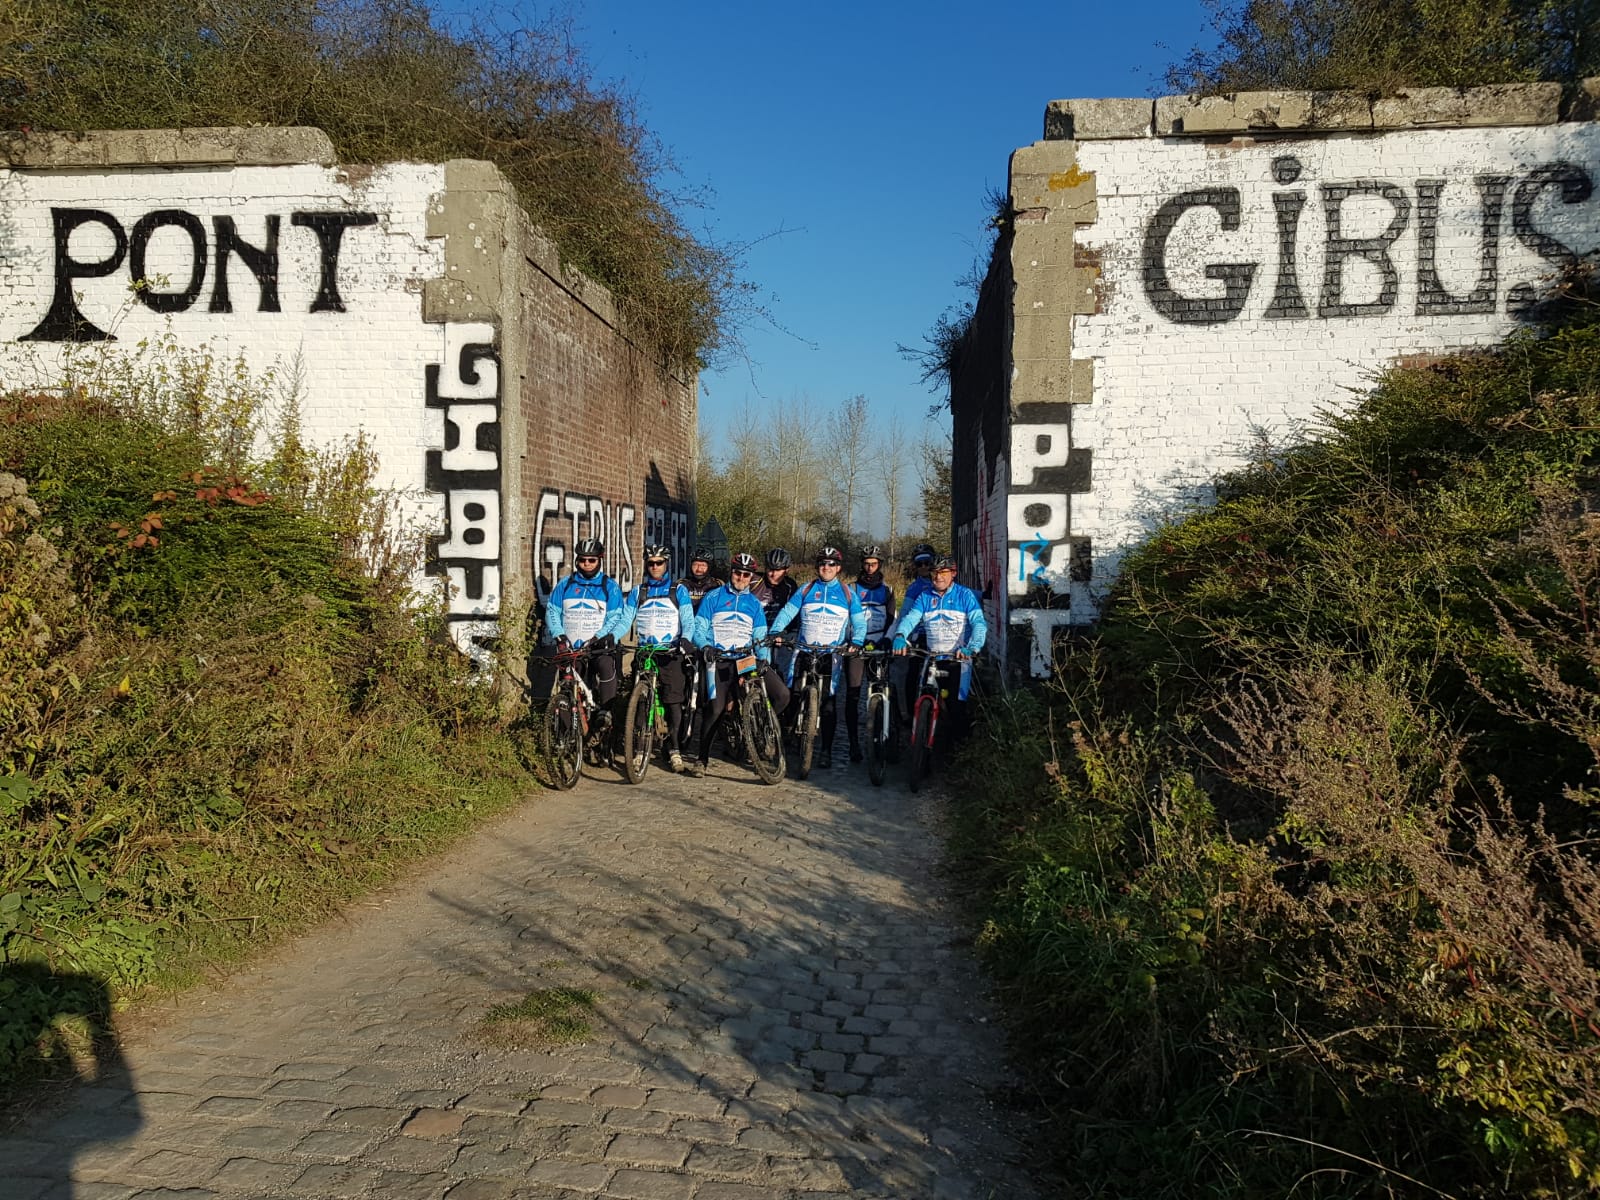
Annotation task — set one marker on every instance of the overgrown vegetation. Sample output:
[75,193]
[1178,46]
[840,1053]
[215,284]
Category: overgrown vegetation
[1379,46]
[1292,873]
[387,82]
[221,709]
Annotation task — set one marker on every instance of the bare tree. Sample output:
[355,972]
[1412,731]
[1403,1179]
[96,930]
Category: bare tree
[888,470]
[848,431]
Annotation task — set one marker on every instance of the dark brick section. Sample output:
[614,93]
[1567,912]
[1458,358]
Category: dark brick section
[1236,277]
[1431,294]
[610,439]
[1374,250]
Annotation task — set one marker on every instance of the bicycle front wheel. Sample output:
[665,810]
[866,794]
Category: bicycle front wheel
[563,740]
[761,734]
[638,731]
[810,702]
[921,751]
[877,738]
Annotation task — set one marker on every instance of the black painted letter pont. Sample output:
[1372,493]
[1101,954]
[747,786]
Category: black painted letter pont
[1237,277]
[139,243]
[329,228]
[1576,187]
[1374,249]
[1432,298]
[263,264]
[63,322]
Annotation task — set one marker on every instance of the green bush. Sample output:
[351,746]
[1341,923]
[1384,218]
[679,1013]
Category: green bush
[1290,871]
[222,710]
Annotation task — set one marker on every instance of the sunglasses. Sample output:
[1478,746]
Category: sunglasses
[746,574]
[588,558]
[655,562]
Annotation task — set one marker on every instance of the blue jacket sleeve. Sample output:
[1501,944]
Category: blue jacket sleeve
[786,614]
[910,618]
[700,627]
[618,615]
[763,652]
[858,617]
[554,619]
[977,627]
[630,608]
[686,617]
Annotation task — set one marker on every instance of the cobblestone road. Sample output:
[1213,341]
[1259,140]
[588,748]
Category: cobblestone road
[783,1011]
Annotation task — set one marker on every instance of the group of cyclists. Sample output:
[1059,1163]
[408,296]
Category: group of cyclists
[755,609]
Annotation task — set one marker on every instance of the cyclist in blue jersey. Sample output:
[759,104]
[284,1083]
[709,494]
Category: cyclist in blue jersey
[830,615]
[731,618]
[587,609]
[952,617]
[663,615]
[877,598]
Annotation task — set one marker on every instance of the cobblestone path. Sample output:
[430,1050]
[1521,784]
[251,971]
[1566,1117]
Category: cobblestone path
[782,1011]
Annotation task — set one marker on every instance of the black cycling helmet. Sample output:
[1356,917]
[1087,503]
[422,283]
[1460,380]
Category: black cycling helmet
[652,553]
[830,554]
[778,559]
[589,546]
[871,552]
[944,563]
[922,552]
[701,554]
[743,562]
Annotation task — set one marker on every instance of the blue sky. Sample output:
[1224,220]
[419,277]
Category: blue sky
[851,148]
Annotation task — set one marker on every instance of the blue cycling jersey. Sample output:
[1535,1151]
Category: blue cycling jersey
[660,612]
[731,620]
[824,610]
[953,620]
[581,610]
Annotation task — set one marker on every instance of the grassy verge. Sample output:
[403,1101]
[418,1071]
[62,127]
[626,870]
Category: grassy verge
[222,710]
[1290,873]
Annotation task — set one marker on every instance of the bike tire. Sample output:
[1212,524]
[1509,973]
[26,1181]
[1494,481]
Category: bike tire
[809,704]
[877,743]
[762,735]
[563,741]
[921,752]
[638,732]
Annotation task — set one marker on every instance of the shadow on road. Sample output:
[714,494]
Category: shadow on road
[789,936]
[66,1017]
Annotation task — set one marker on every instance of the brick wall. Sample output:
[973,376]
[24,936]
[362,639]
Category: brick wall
[1194,279]
[414,303]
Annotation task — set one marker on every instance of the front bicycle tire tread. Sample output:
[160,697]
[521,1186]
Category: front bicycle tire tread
[638,733]
[920,751]
[563,746]
[758,710]
[876,747]
[808,731]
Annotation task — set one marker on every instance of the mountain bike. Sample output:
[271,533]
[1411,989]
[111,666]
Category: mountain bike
[566,720]
[758,723]
[807,691]
[646,717]
[882,721]
[937,672]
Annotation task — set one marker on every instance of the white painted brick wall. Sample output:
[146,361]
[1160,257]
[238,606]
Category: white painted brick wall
[361,369]
[1174,404]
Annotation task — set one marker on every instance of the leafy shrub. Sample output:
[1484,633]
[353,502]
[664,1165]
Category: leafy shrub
[221,708]
[1292,868]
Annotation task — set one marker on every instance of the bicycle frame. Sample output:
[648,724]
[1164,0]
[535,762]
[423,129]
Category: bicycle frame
[877,683]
